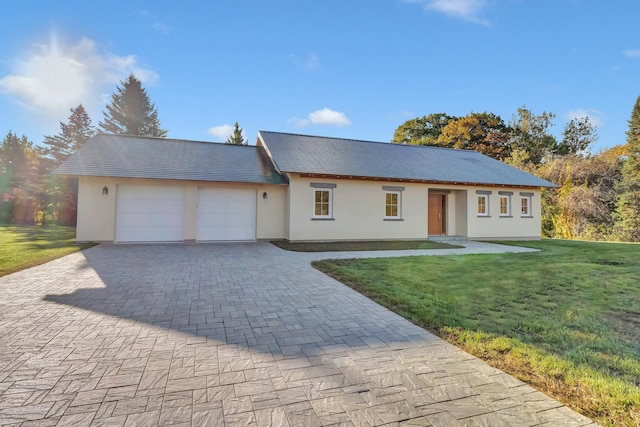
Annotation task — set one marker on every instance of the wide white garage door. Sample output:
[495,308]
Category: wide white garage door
[149,214]
[226,214]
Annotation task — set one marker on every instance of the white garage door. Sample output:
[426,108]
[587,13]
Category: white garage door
[226,214]
[149,214]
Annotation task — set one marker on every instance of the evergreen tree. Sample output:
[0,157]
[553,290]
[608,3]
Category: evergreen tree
[131,112]
[72,136]
[236,137]
[628,221]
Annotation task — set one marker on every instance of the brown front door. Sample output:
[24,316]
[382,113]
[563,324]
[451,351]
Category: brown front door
[437,226]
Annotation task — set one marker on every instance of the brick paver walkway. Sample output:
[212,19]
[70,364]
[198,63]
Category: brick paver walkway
[232,334]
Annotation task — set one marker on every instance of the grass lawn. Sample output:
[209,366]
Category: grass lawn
[366,245]
[25,246]
[565,320]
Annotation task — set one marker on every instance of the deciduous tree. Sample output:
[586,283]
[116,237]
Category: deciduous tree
[577,136]
[485,133]
[131,112]
[530,134]
[583,207]
[423,130]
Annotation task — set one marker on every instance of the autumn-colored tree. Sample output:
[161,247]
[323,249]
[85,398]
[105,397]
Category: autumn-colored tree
[485,133]
[584,205]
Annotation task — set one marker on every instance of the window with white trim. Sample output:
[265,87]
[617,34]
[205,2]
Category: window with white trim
[483,205]
[505,205]
[392,204]
[525,206]
[322,205]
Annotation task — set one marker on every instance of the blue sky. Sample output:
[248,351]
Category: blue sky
[348,68]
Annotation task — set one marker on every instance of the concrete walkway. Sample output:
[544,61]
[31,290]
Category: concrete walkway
[234,334]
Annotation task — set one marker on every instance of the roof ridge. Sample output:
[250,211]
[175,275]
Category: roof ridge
[435,147]
[168,139]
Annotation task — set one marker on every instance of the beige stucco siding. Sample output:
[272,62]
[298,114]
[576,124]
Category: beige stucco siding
[358,211]
[271,212]
[97,212]
[496,226]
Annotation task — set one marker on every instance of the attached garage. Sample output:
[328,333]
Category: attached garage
[143,189]
[147,213]
[226,214]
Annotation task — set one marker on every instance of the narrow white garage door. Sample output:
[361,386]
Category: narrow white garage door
[226,214]
[149,214]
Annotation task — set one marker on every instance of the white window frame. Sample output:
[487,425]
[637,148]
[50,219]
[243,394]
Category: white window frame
[330,203]
[399,205]
[486,204]
[507,198]
[526,214]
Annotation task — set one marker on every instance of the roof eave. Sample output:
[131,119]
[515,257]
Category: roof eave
[414,180]
[169,178]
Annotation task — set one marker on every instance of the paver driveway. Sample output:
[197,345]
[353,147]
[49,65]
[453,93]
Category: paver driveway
[235,334]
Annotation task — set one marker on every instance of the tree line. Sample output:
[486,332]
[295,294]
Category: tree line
[599,194]
[30,195]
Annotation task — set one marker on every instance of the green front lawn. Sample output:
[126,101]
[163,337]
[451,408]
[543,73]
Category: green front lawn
[566,319]
[25,246]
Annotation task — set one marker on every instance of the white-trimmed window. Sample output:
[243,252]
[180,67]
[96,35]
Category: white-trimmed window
[392,204]
[482,198]
[322,200]
[505,203]
[322,203]
[525,204]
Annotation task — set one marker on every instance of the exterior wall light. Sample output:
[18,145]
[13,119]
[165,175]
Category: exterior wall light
[105,190]
[264,195]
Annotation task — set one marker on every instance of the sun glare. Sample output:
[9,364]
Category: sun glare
[57,76]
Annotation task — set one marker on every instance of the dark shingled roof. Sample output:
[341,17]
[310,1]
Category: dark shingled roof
[346,157]
[162,158]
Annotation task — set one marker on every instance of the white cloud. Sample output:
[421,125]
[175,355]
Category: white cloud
[329,117]
[469,10]
[595,116]
[221,132]
[56,77]
[632,53]
[324,116]
[310,62]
